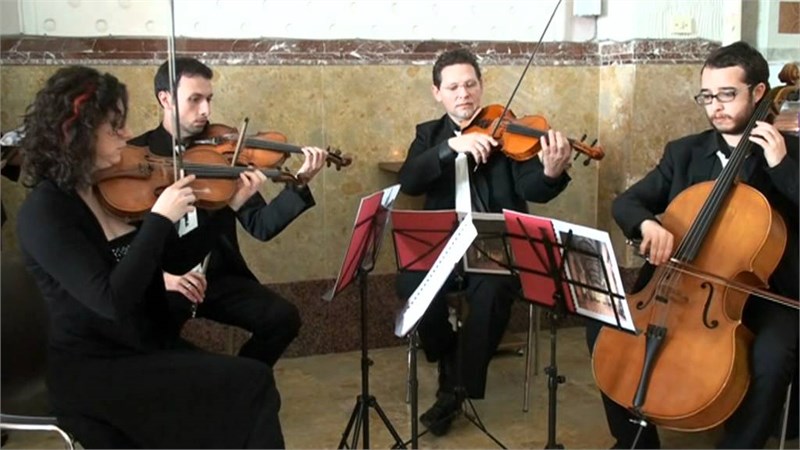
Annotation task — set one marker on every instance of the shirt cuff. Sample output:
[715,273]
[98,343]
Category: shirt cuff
[446,154]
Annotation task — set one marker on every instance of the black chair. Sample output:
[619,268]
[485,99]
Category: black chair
[24,403]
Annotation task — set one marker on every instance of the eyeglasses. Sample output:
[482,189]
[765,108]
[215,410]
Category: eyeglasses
[723,96]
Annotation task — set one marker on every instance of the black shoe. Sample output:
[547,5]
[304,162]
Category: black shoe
[440,416]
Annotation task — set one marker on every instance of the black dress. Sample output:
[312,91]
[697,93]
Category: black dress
[119,376]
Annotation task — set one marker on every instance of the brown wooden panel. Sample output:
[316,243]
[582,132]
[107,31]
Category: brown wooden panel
[789,18]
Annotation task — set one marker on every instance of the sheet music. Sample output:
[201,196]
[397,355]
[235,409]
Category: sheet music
[589,270]
[463,196]
[422,297]
[186,224]
[389,196]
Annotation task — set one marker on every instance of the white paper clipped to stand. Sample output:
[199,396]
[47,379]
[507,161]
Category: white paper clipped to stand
[434,280]
[463,197]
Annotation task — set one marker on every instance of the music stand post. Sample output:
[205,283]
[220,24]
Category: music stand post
[359,262]
[557,313]
[413,388]
[422,244]
[554,269]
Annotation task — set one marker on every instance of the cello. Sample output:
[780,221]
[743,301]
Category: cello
[687,368]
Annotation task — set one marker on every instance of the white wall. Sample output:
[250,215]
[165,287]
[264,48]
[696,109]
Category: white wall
[652,19]
[470,20]
[507,20]
[474,20]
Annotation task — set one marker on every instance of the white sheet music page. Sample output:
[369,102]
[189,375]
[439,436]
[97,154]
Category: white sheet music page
[187,224]
[463,197]
[423,296]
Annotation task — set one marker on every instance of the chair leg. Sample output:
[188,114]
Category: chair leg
[529,347]
[536,340]
[408,370]
[69,443]
[785,419]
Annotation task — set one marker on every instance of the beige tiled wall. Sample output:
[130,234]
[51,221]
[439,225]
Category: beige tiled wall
[369,112]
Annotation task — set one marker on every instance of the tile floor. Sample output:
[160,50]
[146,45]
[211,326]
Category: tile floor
[319,393]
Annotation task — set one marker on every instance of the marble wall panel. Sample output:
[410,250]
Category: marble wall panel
[641,109]
[369,112]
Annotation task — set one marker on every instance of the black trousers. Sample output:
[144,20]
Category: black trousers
[773,365]
[244,302]
[174,398]
[489,299]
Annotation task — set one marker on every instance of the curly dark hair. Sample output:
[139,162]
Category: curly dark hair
[60,125]
[451,58]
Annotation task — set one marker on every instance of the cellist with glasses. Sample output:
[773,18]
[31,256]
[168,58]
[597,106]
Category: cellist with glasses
[733,80]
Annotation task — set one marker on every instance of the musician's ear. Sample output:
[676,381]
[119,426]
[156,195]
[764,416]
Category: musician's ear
[758,92]
[165,99]
[435,93]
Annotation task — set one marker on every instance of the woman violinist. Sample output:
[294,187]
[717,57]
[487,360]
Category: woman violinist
[119,376]
[734,79]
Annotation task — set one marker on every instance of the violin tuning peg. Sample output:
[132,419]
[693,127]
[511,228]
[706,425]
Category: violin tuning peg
[587,161]
[593,143]
[583,138]
[576,156]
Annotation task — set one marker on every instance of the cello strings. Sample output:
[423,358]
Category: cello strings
[670,277]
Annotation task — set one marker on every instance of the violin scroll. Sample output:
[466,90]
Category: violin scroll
[337,159]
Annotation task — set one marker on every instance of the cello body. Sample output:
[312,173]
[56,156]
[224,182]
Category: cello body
[699,374]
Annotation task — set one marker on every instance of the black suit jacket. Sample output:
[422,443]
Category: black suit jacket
[692,160]
[429,169]
[261,219]
[498,184]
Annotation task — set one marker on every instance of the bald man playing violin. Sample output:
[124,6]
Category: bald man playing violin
[228,292]
[497,182]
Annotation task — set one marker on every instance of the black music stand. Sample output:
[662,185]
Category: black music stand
[359,261]
[420,238]
[542,259]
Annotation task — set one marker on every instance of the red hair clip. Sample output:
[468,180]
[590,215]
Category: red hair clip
[76,109]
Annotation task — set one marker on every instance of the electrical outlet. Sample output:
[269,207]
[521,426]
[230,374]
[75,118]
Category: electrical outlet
[682,25]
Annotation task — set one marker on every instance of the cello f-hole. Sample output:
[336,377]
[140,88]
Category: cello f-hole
[713,323]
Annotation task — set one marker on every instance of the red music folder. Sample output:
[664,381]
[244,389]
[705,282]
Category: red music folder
[420,236]
[526,236]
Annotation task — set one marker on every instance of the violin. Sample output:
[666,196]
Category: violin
[519,137]
[129,189]
[264,149]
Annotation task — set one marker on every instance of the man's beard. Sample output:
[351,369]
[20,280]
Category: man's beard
[740,122]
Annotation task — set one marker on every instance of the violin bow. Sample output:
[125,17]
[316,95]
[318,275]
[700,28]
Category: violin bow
[240,141]
[177,145]
[525,70]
